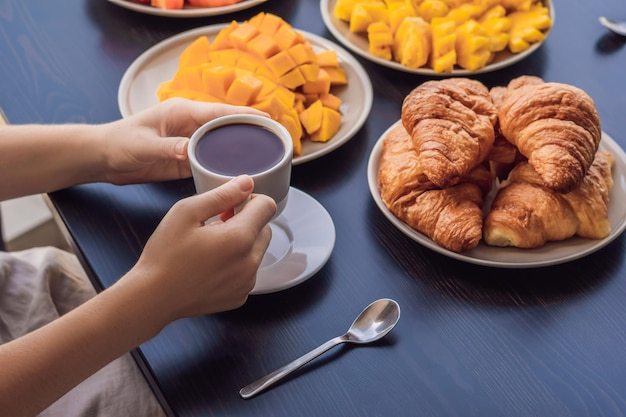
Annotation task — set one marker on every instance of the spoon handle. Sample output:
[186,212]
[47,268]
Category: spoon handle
[268,380]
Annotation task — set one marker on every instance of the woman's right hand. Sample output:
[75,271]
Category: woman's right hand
[190,268]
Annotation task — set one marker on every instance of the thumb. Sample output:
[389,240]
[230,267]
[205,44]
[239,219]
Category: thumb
[162,148]
[212,203]
[175,147]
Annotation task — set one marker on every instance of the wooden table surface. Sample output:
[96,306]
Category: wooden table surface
[471,341]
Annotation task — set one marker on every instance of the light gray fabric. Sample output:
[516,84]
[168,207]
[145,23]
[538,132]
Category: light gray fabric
[37,286]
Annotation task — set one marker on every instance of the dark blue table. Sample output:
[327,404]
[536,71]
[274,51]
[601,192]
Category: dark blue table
[472,341]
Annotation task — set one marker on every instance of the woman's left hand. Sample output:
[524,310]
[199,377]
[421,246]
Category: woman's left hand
[151,145]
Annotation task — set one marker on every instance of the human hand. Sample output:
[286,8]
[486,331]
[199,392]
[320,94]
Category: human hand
[191,268]
[152,145]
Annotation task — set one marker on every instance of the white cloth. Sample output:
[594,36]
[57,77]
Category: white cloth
[39,285]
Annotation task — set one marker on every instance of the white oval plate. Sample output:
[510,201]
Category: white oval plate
[137,90]
[188,11]
[358,44]
[303,237]
[552,253]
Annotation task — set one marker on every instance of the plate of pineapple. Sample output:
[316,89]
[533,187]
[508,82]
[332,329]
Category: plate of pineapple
[440,37]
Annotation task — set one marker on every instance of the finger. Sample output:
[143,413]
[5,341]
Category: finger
[202,112]
[257,212]
[170,148]
[219,200]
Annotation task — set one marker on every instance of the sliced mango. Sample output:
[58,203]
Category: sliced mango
[264,63]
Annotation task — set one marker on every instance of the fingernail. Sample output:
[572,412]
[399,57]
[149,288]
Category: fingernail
[244,182]
[180,147]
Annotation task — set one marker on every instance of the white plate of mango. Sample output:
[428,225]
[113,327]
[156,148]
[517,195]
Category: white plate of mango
[312,86]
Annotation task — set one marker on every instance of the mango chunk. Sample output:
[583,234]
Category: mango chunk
[216,79]
[331,121]
[243,90]
[330,100]
[265,64]
[222,40]
[281,63]
[188,78]
[318,86]
[195,54]
[309,71]
[291,121]
[337,76]
[242,35]
[228,57]
[301,54]
[311,117]
[293,79]
[286,37]
[263,45]
[270,24]
[327,58]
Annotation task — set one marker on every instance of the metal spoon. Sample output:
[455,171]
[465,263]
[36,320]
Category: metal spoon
[614,25]
[372,324]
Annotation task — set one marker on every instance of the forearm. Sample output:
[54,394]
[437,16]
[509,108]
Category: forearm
[40,158]
[40,367]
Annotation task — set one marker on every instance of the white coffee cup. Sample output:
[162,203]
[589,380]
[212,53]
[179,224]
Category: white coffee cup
[243,144]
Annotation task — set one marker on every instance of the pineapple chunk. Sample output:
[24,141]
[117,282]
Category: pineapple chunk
[472,46]
[465,12]
[443,53]
[517,5]
[527,28]
[380,40]
[412,42]
[432,8]
[397,13]
[344,8]
[497,26]
[365,14]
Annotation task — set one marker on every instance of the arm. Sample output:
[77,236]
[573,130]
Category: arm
[211,268]
[148,146]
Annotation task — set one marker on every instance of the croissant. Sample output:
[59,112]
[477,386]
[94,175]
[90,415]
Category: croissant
[451,217]
[556,126]
[451,124]
[527,214]
[503,154]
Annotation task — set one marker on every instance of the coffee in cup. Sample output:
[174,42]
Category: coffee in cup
[243,144]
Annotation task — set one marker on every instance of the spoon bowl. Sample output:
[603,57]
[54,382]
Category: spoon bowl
[616,26]
[374,322]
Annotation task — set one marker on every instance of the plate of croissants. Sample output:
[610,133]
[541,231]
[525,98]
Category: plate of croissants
[515,176]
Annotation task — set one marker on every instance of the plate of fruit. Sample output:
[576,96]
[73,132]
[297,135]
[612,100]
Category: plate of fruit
[312,86]
[440,37]
[187,8]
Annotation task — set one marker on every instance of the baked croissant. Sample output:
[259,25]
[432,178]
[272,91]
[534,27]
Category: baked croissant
[527,214]
[503,154]
[556,126]
[451,124]
[452,217]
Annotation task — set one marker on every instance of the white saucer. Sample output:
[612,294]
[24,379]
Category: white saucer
[303,237]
